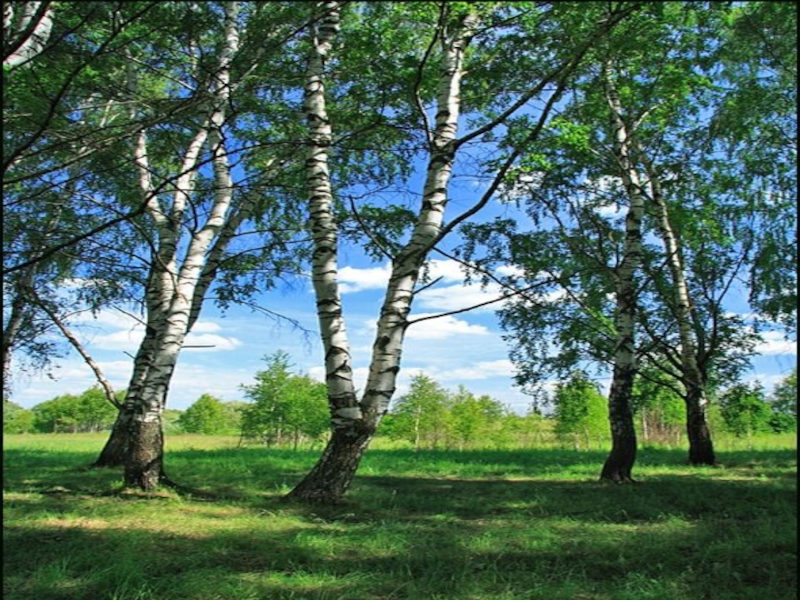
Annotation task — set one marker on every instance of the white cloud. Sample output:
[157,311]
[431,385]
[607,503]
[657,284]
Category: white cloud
[353,280]
[774,344]
[511,271]
[480,370]
[611,211]
[442,328]
[215,342]
[448,270]
[205,327]
[106,319]
[125,339]
[457,297]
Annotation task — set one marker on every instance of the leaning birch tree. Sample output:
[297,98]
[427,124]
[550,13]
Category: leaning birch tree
[701,448]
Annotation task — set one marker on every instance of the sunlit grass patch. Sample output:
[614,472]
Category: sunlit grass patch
[472,525]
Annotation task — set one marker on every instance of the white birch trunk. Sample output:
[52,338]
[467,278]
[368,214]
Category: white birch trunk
[333,332]
[391,328]
[354,423]
[620,461]
[701,450]
[172,293]
[25,34]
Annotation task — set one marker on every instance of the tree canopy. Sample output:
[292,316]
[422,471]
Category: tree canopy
[176,153]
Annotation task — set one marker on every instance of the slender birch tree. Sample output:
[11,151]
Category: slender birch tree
[579,184]
[619,464]
[196,223]
[172,304]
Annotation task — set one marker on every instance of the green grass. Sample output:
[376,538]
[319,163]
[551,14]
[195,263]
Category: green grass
[432,525]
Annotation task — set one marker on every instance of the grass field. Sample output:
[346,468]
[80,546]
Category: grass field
[431,525]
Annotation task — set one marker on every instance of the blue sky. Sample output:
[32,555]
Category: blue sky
[463,349]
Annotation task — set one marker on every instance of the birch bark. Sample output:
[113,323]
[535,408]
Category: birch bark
[144,461]
[25,34]
[701,447]
[619,464]
[177,284]
[353,422]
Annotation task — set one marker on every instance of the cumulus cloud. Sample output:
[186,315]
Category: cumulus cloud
[442,328]
[124,339]
[353,280]
[205,327]
[457,297]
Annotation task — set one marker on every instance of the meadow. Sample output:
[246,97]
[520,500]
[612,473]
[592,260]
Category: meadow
[430,525]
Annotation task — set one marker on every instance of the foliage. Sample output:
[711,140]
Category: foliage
[711,88]
[783,400]
[170,420]
[430,416]
[421,415]
[16,419]
[474,420]
[707,92]
[581,411]
[285,407]
[745,409]
[90,411]
[207,415]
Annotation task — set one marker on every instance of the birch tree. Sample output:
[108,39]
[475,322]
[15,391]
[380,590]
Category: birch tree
[582,182]
[354,419]
[619,464]
[194,225]
[178,277]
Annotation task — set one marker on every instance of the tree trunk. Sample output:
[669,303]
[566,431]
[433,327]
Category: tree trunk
[331,477]
[353,422]
[115,452]
[144,467]
[619,464]
[620,461]
[10,332]
[701,448]
[174,295]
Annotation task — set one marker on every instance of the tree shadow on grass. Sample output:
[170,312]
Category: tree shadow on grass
[726,533]
[490,539]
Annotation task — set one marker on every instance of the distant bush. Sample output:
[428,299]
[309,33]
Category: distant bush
[16,419]
[89,412]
